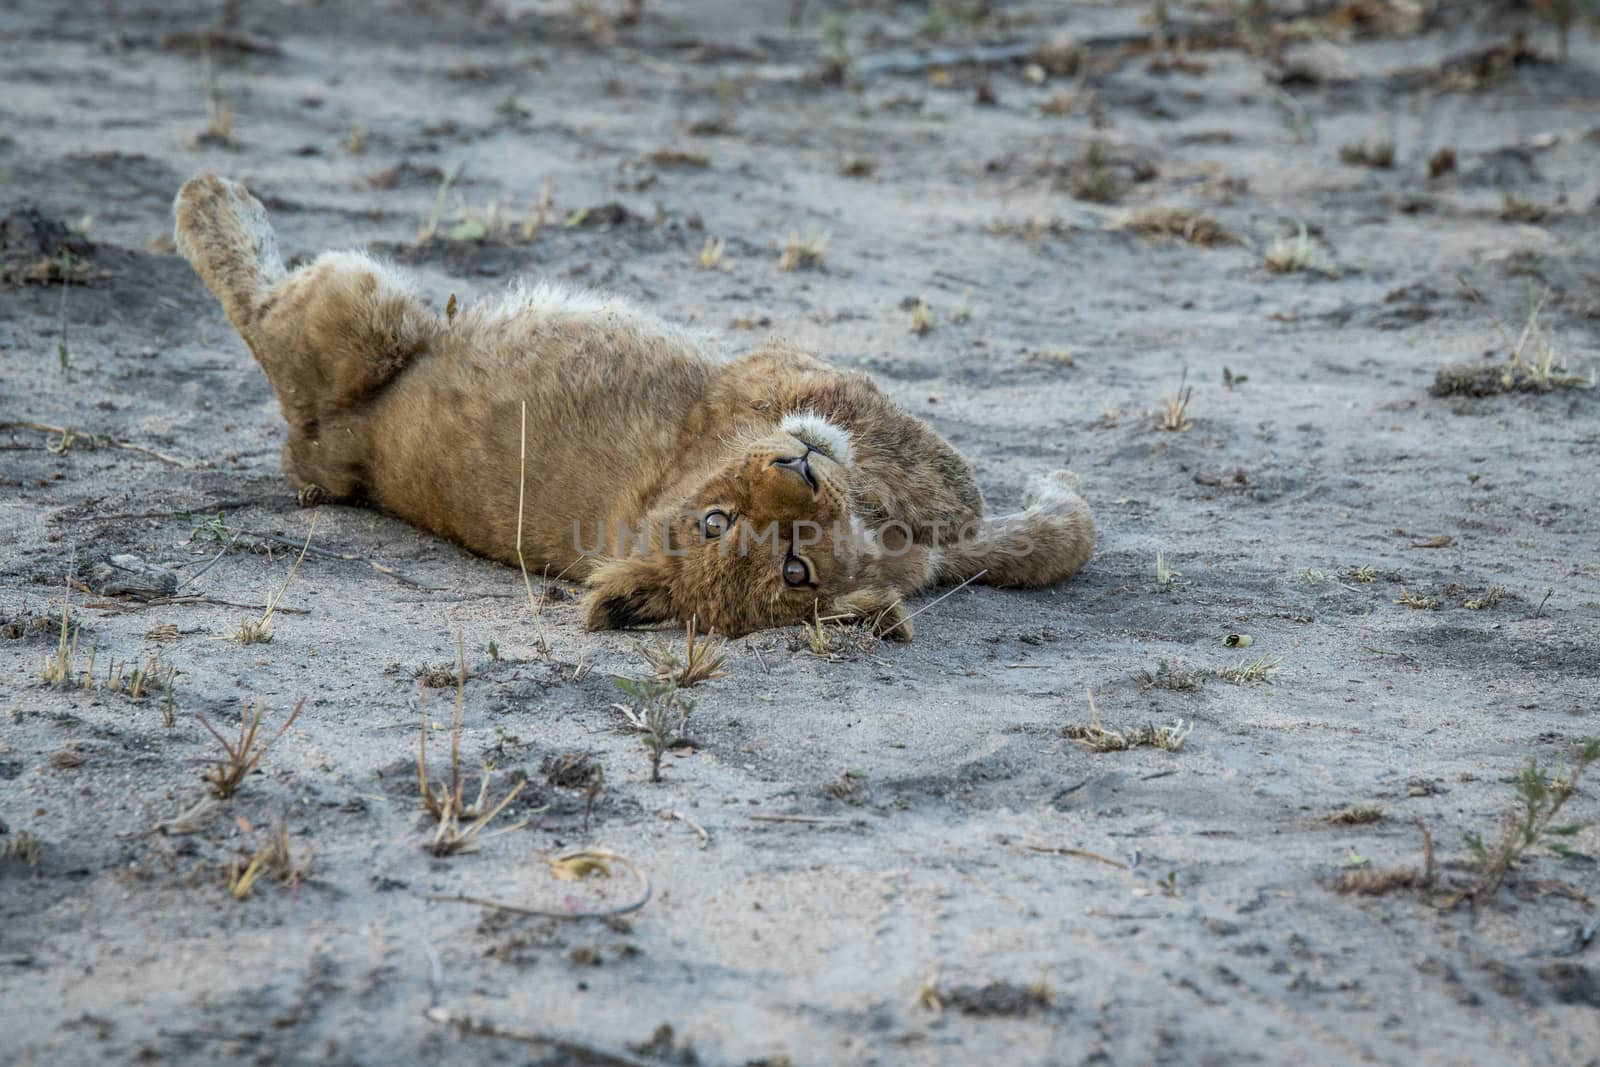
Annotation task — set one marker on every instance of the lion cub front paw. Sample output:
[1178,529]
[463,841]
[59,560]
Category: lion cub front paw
[311,496]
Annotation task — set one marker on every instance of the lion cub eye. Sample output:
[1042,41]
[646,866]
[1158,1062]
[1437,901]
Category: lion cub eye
[796,571]
[715,524]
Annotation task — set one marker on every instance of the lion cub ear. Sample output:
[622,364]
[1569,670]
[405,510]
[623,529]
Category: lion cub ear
[627,593]
[878,607]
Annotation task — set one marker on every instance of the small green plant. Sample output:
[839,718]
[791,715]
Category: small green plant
[210,527]
[243,756]
[922,317]
[835,32]
[1529,822]
[661,717]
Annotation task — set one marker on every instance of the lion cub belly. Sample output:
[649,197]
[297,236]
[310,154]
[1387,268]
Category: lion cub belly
[605,412]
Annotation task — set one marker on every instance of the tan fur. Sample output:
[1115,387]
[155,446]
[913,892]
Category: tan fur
[634,434]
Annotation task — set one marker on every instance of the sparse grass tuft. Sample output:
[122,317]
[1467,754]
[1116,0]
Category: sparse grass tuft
[1250,671]
[459,823]
[701,661]
[1175,222]
[711,253]
[1099,738]
[259,631]
[1370,881]
[1357,815]
[244,755]
[828,637]
[435,675]
[1173,675]
[1564,14]
[804,253]
[1165,575]
[1379,155]
[663,713]
[1533,364]
[1483,600]
[963,310]
[1095,180]
[58,669]
[1515,209]
[22,846]
[928,996]
[275,857]
[1289,255]
[922,317]
[1416,601]
[859,167]
[678,158]
[156,675]
[1174,414]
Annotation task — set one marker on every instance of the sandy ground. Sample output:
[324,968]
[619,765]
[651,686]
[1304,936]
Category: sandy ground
[910,916]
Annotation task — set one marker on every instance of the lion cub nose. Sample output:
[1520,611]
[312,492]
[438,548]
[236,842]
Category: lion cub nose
[801,465]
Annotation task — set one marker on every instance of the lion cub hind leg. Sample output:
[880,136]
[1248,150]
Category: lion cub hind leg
[1048,541]
[329,335]
[340,328]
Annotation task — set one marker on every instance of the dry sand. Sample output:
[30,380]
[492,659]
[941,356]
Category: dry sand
[911,917]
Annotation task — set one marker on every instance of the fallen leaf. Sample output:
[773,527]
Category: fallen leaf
[1433,542]
[578,865]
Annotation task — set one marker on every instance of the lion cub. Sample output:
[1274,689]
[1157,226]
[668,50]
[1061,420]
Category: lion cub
[747,494]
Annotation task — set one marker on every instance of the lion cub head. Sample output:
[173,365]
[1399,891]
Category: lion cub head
[769,539]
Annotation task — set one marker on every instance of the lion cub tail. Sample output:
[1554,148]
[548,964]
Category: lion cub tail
[1046,542]
[224,233]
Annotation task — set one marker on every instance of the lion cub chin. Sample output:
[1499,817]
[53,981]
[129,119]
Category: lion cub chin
[592,440]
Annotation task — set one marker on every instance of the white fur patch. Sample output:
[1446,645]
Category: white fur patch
[550,302]
[832,441]
[393,283]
